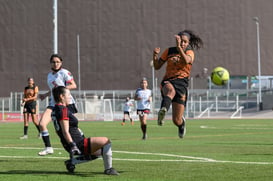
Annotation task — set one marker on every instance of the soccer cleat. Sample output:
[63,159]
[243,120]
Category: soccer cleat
[46,151]
[24,137]
[111,171]
[161,115]
[145,136]
[69,166]
[123,123]
[182,128]
[132,122]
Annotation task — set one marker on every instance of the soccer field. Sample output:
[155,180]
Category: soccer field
[232,149]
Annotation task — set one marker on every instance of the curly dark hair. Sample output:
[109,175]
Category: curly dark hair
[195,41]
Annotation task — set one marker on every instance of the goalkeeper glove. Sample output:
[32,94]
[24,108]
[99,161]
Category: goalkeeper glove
[74,150]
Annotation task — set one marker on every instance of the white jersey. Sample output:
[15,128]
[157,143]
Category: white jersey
[144,102]
[60,78]
[127,106]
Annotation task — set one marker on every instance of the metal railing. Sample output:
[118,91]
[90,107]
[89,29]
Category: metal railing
[199,103]
[239,110]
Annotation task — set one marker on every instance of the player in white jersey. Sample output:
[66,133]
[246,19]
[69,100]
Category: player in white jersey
[60,78]
[143,96]
[57,77]
[126,111]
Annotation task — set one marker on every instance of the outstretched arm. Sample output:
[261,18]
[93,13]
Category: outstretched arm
[43,96]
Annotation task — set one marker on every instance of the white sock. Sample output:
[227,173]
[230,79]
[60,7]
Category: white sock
[107,156]
[45,133]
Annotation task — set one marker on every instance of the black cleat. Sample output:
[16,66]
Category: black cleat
[111,171]
[161,115]
[182,128]
[144,137]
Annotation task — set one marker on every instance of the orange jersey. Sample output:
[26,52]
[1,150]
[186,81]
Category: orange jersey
[31,91]
[176,66]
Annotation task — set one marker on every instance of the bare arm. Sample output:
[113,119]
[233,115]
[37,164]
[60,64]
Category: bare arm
[71,85]
[136,97]
[158,62]
[150,99]
[43,96]
[185,57]
[65,130]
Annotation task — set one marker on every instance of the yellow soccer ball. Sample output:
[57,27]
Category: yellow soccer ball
[220,76]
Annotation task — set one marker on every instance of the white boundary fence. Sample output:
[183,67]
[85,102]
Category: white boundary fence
[108,105]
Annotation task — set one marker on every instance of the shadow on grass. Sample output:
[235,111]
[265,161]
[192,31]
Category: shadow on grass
[46,173]
[258,154]
[35,172]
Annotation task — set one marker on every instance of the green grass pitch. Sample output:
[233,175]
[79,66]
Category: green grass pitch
[231,149]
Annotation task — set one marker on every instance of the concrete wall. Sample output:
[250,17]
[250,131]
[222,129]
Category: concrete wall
[117,38]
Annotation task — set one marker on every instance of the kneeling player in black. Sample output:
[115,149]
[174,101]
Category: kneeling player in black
[66,125]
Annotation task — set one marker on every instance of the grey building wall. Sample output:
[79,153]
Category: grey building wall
[117,38]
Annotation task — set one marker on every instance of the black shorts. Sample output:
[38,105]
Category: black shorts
[143,111]
[126,112]
[181,89]
[30,107]
[85,146]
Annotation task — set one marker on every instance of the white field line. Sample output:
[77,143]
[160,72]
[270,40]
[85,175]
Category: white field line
[167,155]
[239,127]
[34,157]
[186,158]
[26,148]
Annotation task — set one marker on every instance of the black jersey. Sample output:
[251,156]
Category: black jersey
[61,113]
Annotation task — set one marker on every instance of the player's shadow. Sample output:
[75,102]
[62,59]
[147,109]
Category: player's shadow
[41,172]
[46,173]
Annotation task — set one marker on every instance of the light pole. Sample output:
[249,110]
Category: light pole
[153,77]
[79,65]
[55,25]
[256,19]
